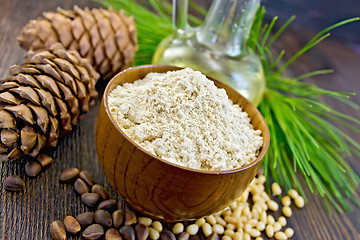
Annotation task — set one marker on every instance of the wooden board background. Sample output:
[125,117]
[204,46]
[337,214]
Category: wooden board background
[27,215]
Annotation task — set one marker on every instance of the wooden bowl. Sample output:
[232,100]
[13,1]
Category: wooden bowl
[160,189]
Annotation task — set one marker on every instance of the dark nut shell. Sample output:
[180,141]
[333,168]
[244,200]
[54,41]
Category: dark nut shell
[112,234]
[85,219]
[81,187]
[57,230]
[69,174]
[44,160]
[32,168]
[72,225]
[103,218]
[183,236]
[130,217]
[109,205]
[91,199]
[86,176]
[213,236]
[167,235]
[101,191]
[118,218]
[93,232]
[127,232]
[14,183]
[142,232]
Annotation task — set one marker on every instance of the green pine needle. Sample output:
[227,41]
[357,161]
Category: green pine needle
[304,137]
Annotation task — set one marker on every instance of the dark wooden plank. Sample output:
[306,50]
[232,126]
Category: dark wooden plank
[317,15]
[27,215]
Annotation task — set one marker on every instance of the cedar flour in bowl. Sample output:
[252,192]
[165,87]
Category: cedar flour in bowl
[182,117]
[178,145]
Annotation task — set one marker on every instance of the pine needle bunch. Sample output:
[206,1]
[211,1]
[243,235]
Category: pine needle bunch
[304,137]
[302,133]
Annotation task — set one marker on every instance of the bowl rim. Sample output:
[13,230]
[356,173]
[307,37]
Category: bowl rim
[264,147]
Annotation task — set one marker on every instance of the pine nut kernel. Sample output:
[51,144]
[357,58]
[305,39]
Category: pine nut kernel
[285,200]
[287,211]
[275,188]
[299,201]
[289,232]
[293,193]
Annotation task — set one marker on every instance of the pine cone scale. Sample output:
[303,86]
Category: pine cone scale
[42,117]
[27,93]
[21,111]
[28,139]
[49,70]
[49,84]
[47,101]
[3,148]
[78,28]
[6,120]
[25,79]
[17,69]
[54,132]
[9,137]
[7,97]
[15,153]
[8,85]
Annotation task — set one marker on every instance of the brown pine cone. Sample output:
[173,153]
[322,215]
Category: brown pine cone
[105,37]
[42,99]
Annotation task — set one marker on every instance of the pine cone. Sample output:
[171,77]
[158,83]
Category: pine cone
[42,99]
[105,37]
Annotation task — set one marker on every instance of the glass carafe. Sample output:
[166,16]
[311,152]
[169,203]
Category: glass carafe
[217,47]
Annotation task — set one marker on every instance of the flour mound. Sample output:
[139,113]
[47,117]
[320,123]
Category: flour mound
[182,117]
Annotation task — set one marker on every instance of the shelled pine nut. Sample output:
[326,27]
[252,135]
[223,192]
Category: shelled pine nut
[254,233]
[280,236]
[153,234]
[219,229]
[285,200]
[220,220]
[282,221]
[260,226]
[206,228]
[157,226]
[230,226]
[200,221]
[211,219]
[270,220]
[299,201]
[237,236]
[229,232]
[289,232]
[275,188]
[287,211]
[246,236]
[192,229]
[277,226]
[293,193]
[178,228]
[272,205]
[269,230]
[226,237]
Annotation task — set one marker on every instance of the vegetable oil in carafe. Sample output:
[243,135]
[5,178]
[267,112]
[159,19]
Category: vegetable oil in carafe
[218,47]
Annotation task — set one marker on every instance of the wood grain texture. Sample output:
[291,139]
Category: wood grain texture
[27,215]
[161,189]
